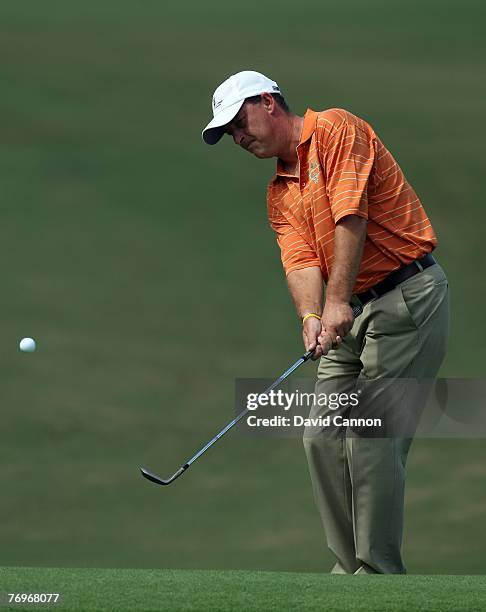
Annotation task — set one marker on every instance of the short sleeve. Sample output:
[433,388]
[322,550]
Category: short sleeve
[347,159]
[295,252]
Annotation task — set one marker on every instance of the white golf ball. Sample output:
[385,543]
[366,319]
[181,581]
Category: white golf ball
[27,345]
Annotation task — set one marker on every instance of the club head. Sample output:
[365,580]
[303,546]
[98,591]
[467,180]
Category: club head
[160,481]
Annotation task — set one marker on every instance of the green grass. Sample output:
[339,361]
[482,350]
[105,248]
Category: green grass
[142,262]
[233,591]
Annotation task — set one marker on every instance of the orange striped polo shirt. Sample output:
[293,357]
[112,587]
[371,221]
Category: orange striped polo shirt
[346,170]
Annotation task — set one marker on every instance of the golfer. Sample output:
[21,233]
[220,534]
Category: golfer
[346,218]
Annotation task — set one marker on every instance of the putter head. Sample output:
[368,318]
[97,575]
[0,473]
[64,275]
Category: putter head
[160,481]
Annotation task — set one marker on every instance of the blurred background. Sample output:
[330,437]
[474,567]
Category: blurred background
[141,261]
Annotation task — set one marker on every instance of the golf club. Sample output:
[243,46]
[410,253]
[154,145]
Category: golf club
[357,310]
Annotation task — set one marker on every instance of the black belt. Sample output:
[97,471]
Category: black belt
[395,278]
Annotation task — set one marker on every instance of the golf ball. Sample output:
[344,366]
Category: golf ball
[27,345]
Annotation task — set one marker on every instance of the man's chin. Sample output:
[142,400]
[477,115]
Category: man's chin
[261,154]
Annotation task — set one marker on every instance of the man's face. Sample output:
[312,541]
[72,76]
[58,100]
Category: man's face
[251,129]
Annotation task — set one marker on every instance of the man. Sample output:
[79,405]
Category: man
[344,215]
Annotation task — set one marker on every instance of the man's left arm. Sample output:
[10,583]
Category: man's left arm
[337,318]
[347,158]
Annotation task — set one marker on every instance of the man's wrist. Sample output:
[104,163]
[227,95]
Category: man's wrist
[333,300]
[310,315]
[314,308]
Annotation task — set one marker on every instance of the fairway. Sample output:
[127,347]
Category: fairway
[236,591]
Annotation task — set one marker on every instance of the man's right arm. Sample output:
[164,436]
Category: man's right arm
[306,288]
[304,277]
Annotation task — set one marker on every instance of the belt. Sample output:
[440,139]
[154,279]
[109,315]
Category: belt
[395,278]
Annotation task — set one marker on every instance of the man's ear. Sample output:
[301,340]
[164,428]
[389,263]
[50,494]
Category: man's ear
[268,102]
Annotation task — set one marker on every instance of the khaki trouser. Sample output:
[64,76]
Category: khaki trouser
[358,482]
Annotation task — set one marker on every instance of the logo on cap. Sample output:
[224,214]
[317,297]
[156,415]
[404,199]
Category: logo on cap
[216,104]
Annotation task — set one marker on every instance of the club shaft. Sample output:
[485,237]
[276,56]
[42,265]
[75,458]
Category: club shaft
[357,310]
[232,423]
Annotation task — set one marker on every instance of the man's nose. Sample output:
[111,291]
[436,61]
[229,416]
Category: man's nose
[237,137]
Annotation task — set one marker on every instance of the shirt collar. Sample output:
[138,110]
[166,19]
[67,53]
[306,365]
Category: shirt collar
[308,128]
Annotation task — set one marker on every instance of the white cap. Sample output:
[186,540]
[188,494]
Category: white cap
[229,97]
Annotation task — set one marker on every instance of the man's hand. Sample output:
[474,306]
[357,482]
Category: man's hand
[310,333]
[337,320]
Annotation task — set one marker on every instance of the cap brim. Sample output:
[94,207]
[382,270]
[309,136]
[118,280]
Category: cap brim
[214,130]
